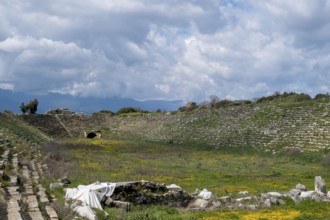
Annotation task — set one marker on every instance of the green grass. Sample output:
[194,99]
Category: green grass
[191,167]
[19,129]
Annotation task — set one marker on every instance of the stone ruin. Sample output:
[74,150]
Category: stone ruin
[263,201]
[147,193]
[126,194]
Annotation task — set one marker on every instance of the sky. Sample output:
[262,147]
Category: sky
[165,49]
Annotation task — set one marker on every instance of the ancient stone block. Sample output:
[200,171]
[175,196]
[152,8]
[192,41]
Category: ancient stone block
[301,187]
[320,186]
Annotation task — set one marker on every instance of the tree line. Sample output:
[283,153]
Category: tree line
[29,108]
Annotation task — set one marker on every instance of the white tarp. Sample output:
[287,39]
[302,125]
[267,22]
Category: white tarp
[102,189]
[173,186]
[85,198]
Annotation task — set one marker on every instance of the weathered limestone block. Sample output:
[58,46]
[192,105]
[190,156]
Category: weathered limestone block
[271,194]
[246,199]
[14,216]
[243,193]
[320,186]
[294,194]
[36,215]
[307,194]
[126,206]
[28,190]
[12,206]
[226,199]
[273,201]
[251,207]
[13,192]
[51,213]
[301,187]
[32,203]
[199,204]
[13,181]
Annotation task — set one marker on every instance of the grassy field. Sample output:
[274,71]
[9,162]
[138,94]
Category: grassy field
[221,171]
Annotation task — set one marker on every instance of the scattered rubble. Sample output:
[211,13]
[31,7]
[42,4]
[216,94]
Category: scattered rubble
[121,195]
[60,183]
[125,194]
[263,201]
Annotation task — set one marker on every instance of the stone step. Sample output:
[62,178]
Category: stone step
[28,190]
[5,154]
[13,192]
[12,206]
[36,215]
[51,213]
[32,203]
[14,216]
[33,166]
[13,180]
[42,196]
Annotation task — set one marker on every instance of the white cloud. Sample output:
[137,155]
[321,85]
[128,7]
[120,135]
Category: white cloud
[6,85]
[165,49]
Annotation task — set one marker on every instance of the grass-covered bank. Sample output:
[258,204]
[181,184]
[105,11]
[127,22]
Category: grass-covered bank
[219,170]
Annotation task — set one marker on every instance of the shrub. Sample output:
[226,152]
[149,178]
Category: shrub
[213,100]
[182,109]
[302,97]
[104,112]
[292,96]
[129,110]
[322,96]
[223,103]
[269,98]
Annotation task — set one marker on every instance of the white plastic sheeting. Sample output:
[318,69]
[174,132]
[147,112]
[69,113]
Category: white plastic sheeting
[173,186]
[85,198]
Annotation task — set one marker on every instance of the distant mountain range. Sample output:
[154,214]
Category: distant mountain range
[11,101]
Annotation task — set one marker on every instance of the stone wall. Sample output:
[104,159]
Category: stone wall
[264,127]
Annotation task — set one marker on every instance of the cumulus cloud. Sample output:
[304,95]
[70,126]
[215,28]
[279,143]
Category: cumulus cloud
[160,49]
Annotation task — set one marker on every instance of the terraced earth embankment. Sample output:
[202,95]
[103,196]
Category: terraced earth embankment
[269,127]
[22,196]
